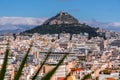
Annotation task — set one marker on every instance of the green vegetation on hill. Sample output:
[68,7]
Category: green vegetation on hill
[68,28]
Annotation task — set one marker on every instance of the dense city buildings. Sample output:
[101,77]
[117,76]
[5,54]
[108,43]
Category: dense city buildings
[97,56]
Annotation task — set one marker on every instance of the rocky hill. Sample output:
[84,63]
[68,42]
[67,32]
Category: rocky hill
[61,18]
[63,22]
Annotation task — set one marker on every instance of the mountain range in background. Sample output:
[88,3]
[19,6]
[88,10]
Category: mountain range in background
[20,24]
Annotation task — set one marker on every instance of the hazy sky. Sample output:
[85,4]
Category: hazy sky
[101,10]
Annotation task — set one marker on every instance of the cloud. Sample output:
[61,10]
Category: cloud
[114,26]
[21,21]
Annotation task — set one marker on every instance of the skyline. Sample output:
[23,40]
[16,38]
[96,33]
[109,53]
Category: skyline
[97,13]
